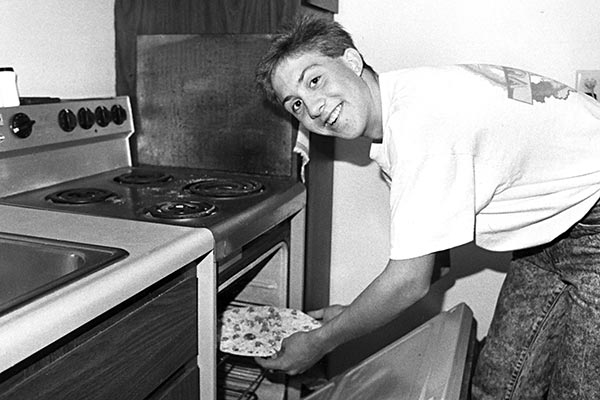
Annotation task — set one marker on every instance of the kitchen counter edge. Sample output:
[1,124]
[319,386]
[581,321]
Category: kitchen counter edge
[155,251]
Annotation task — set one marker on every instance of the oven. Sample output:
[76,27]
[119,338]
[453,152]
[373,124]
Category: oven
[74,157]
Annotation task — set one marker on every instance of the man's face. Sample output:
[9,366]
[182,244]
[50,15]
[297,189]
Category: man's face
[327,95]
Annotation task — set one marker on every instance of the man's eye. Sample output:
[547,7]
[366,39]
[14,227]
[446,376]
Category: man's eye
[314,81]
[296,106]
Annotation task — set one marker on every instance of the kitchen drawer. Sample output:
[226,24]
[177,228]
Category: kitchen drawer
[126,353]
[184,385]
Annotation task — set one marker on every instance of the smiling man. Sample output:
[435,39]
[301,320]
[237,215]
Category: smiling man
[500,156]
[330,96]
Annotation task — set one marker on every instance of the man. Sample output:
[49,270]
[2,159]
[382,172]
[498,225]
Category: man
[495,155]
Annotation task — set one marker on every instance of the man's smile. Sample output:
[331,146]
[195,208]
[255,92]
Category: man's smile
[334,115]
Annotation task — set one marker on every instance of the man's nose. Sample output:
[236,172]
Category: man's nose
[315,106]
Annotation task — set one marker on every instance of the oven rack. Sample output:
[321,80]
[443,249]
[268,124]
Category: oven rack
[238,378]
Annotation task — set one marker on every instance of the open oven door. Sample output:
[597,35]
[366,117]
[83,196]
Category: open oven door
[433,362]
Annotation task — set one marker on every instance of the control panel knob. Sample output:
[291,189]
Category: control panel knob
[103,116]
[21,125]
[86,118]
[67,120]
[119,115]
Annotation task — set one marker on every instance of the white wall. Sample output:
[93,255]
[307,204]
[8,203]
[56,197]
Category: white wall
[551,37]
[61,48]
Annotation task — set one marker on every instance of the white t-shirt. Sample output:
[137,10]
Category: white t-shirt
[498,155]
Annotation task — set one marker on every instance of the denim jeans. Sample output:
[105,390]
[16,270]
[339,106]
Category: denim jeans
[544,339]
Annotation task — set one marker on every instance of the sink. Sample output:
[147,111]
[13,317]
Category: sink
[32,266]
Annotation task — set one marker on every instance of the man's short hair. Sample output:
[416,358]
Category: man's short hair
[305,34]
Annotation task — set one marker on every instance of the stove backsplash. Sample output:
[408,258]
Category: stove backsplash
[197,106]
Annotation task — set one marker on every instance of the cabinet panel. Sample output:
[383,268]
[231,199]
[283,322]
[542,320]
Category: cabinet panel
[183,386]
[125,355]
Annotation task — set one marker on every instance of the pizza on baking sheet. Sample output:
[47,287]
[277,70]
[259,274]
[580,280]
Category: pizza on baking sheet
[259,330]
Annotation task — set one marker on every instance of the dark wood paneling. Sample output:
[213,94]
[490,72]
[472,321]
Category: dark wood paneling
[150,17]
[184,385]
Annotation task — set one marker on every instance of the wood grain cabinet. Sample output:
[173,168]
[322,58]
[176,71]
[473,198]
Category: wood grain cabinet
[183,385]
[143,349]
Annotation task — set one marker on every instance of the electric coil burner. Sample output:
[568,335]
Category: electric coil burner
[181,209]
[143,178]
[224,187]
[80,196]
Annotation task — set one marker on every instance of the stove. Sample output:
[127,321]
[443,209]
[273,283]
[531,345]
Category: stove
[75,157]
[236,208]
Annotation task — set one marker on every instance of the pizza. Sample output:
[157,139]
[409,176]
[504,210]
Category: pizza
[259,330]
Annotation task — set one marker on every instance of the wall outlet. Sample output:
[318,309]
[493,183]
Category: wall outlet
[588,82]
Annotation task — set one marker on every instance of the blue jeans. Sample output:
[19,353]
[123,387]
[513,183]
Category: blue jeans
[544,339]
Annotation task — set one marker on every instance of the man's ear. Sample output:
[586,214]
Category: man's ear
[354,60]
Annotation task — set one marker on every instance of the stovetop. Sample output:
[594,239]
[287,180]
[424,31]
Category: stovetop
[78,151]
[235,207]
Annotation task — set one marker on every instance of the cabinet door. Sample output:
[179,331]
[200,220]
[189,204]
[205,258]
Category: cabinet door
[126,354]
[184,385]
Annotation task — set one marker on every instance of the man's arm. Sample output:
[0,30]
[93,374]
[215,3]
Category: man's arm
[399,285]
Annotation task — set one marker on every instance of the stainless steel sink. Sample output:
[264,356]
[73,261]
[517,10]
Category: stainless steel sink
[32,266]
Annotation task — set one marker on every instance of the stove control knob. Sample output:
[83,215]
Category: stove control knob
[103,116]
[67,120]
[119,115]
[86,118]
[21,125]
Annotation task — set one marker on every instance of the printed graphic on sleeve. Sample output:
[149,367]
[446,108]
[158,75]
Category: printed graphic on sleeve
[518,84]
[521,85]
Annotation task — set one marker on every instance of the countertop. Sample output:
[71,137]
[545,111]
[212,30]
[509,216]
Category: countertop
[155,251]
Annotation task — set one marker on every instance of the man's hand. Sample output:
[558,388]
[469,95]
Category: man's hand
[298,352]
[301,350]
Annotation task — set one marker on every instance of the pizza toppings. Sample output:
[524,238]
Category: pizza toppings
[259,330]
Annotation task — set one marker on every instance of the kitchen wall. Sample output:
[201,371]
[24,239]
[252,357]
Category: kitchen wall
[553,38]
[63,48]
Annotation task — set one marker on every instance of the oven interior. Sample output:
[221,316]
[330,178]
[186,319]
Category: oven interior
[258,276]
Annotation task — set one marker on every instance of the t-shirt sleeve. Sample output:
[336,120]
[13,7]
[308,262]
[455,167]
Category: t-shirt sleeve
[432,205]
